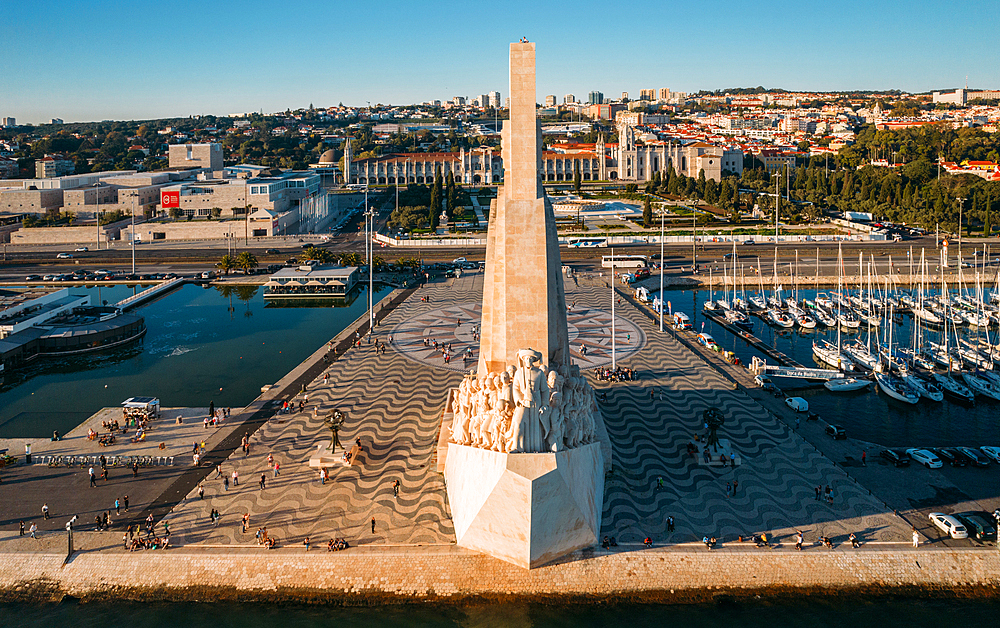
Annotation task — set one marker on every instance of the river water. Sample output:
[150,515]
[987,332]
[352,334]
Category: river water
[202,345]
[811,612]
[868,415]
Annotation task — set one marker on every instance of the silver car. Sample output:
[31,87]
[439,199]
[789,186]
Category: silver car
[925,458]
[949,525]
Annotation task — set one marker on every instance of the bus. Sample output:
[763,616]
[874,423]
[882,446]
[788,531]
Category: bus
[588,243]
[624,261]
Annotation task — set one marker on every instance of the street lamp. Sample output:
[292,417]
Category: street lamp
[661,269]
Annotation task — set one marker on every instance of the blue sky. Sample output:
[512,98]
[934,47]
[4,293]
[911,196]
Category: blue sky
[105,59]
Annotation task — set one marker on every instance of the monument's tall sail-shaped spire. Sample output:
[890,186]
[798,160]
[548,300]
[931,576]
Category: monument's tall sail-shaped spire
[524,304]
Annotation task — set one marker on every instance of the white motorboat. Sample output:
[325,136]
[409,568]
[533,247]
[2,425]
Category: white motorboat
[927,316]
[860,354]
[828,353]
[895,387]
[779,318]
[952,388]
[805,321]
[981,386]
[823,317]
[922,387]
[846,384]
[739,319]
[848,320]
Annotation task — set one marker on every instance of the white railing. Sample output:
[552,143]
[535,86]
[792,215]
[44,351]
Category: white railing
[149,292]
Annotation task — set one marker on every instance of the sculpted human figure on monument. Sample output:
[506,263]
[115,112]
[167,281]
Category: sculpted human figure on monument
[531,393]
[525,409]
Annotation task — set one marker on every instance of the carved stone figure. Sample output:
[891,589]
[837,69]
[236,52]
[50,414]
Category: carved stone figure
[525,409]
[531,393]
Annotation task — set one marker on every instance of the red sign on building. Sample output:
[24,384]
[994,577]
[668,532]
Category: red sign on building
[170,199]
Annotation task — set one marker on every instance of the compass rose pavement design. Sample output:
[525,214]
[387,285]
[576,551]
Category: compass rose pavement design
[589,337]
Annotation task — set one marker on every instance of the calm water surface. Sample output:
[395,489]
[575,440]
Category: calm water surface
[807,612]
[201,345]
[870,415]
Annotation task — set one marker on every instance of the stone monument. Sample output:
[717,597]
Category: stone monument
[525,462]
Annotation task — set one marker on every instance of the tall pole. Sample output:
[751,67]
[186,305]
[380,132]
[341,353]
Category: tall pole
[614,267]
[97,215]
[662,303]
[133,233]
[369,256]
[694,243]
[961,204]
[777,204]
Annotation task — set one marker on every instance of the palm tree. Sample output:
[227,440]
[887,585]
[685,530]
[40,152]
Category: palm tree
[227,263]
[350,259]
[246,261]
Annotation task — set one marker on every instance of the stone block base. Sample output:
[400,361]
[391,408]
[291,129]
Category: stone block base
[527,509]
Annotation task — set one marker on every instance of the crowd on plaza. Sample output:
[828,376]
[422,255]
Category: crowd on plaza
[620,374]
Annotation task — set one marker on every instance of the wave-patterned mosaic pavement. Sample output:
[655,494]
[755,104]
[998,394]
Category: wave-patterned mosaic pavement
[776,480]
[393,406]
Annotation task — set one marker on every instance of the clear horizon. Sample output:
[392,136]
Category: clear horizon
[96,61]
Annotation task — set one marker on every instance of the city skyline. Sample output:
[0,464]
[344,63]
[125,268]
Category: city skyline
[93,62]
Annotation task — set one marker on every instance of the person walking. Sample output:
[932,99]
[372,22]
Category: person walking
[670,524]
[125,501]
[21,533]
[373,525]
[395,489]
[277,467]
[864,455]
[854,540]
[246,522]
[201,491]
[34,529]
[118,507]
[236,478]
[736,485]
[263,480]
[45,511]
[729,489]
[798,540]
[916,538]
[306,543]
[225,484]
[218,471]
[135,468]
[93,478]
[818,490]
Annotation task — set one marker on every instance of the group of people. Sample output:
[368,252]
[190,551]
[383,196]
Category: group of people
[620,374]
[289,406]
[335,545]
[264,539]
[216,417]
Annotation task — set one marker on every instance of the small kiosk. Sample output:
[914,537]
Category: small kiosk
[140,409]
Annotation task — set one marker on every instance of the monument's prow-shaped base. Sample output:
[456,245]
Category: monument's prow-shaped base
[526,509]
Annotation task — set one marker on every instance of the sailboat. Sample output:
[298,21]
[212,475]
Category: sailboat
[710,301]
[889,383]
[846,384]
[952,388]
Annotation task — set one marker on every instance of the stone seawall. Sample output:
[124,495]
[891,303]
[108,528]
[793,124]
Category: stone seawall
[451,573]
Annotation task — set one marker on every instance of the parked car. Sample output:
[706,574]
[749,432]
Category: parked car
[949,525]
[925,458]
[797,403]
[33,278]
[975,458]
[760,380]
[894,457]
[980,525]
[991,452]
[64,256]
[459,260]
[948,455]
[836,432]
[82,249]
[708,341]
[642,273]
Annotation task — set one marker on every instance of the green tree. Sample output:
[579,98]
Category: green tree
[647,213]
[577,177]
[216,212]
[176,212]
[246,261]
[226,264]
[450,195]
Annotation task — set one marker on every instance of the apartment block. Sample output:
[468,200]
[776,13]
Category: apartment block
[196,156]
